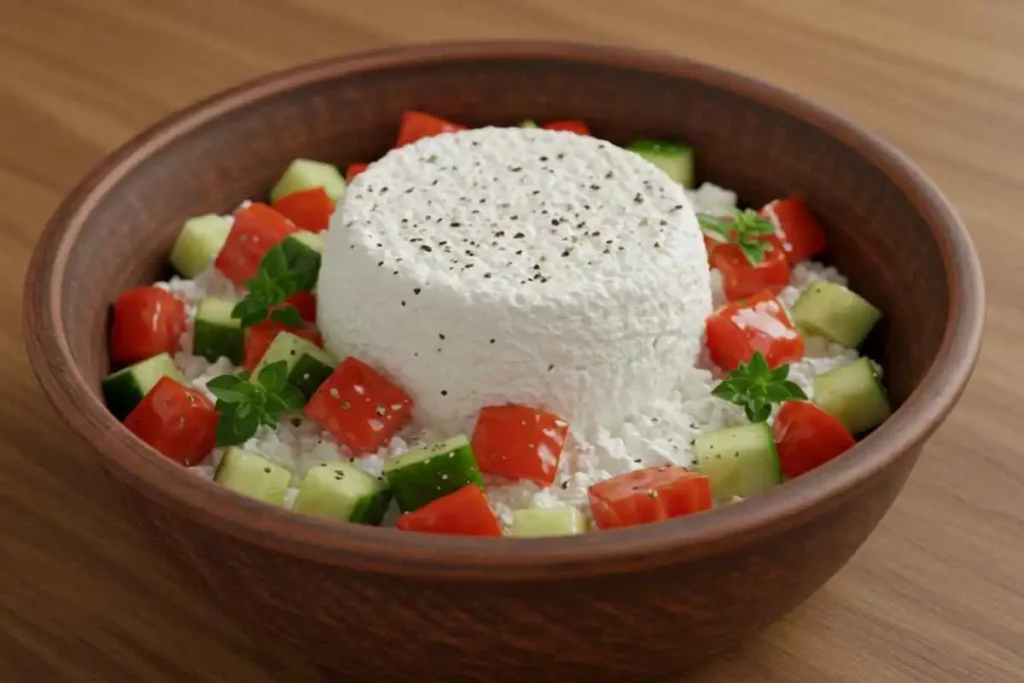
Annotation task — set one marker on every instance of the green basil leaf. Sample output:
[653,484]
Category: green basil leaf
[293,398]
[274,262]
[227,388]
[273,377]
[287,315]
[795,392]
[781,372]
[758,366]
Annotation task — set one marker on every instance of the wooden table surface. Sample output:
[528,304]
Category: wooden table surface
[937,593]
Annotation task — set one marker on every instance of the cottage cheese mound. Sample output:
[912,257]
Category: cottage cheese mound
[516,265]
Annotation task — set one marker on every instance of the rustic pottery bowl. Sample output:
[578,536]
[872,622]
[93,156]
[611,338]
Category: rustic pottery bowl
[629,605]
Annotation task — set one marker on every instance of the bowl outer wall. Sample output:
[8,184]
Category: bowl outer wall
[392,552]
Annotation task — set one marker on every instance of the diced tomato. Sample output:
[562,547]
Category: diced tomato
[741,278]
[710,244]
[577,127]
[147,321]
[801,235]
[360,407]
[176,420]
[735,331]
[256,229]
[259,337]
[308,209]
[648,495]
[416,125]
[518,442]
[807,437]
[465,512]
[353,170]
[305,302]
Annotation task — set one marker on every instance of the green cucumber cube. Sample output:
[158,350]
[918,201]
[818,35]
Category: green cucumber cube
[308,365]
[343,492]
[738,461]
[125,389]
[304,250]
[216,333]
[539,522]
[253,475]
[198,243]
[675,159]
[305,174]
[528,123]
[854,395]
[431,472]
[827,309]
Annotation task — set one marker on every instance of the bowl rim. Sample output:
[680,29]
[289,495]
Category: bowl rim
[444,557]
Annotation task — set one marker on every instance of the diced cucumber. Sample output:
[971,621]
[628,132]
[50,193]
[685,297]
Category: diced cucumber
[674,159]
[829,310]
[303,250]
[199,242]
[854,395]
[528,123]
[124,389]
[557,521]
[343,492]
[253,475]
[308,364]
[216,332]
[431,472]
[305,174]
[738,461]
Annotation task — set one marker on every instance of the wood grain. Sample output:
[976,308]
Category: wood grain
[935,595]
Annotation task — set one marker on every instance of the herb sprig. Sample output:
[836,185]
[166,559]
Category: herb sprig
[243,405]
[756,387]
[746,229]
[283,272]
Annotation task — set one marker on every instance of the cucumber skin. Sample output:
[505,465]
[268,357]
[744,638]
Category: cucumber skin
[419,483]
[318,373]
[371,509]
[211,341]
[121,393]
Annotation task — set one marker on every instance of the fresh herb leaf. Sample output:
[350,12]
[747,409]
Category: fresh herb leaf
[745,229]
[242,405]
[273,377]
[282,273]
[756,387]
[286,315]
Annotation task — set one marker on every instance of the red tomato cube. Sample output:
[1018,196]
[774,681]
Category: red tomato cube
[305,303]
[353,170]
[649,495]
[465,512]
[801,235]
[518,442]
[176,420]
[577,127]
[741,278]
[361,408]
[308,209]
[734,332]
[256,229]
[147,321]
[807,437]
[259,337]
[416,125]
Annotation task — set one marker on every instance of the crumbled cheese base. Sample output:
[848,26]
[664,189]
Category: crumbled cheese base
[660,433]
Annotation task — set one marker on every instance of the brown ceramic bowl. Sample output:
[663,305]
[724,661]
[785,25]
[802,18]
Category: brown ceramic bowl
[613,606]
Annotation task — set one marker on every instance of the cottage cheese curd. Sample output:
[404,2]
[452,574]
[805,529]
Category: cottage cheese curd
[515,265]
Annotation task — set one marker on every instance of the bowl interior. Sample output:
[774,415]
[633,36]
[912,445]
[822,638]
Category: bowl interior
[757,148]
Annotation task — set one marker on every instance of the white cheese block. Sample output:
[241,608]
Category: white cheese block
[517,265]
